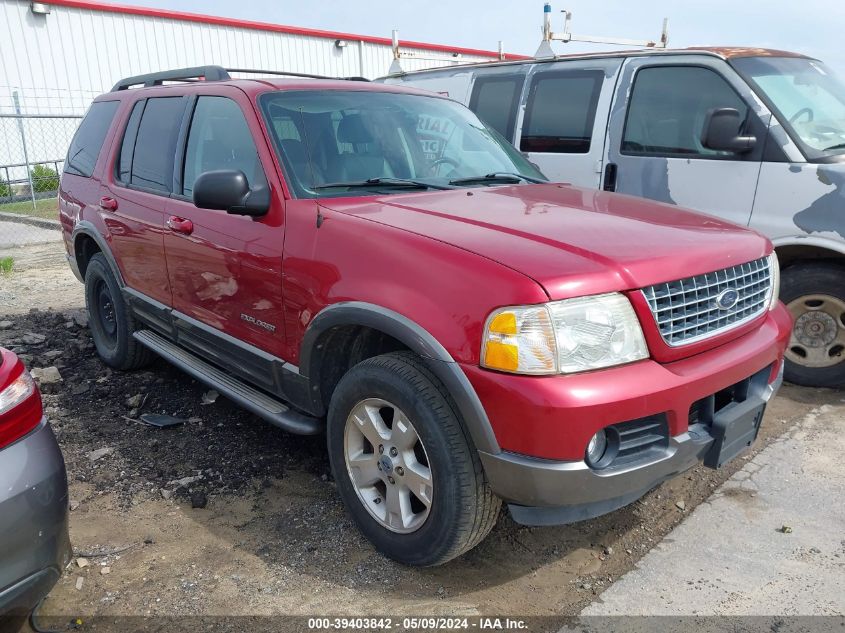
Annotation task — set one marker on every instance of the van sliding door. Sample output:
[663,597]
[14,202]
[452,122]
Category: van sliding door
[564,118]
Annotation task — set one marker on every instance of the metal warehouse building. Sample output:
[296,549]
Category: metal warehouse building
[57,56]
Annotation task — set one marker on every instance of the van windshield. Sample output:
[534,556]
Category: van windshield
[809,99]
[336,142]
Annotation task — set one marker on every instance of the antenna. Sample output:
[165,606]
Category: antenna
[545,49]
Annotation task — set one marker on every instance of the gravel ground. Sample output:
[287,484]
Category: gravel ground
[225,514]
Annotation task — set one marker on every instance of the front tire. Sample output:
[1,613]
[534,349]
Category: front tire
[406,470]
[110,319]
[814,293]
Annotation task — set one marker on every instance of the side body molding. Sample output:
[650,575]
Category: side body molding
[418,340]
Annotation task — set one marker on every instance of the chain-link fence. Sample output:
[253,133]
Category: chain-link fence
[32,154]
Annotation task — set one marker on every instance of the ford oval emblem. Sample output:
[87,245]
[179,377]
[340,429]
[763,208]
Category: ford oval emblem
[727,299]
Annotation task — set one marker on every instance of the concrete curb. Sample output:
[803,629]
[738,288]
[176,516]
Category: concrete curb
[43,223]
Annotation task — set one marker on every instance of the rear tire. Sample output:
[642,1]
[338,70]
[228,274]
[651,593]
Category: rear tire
[814,293]
[394,401]
[110,319]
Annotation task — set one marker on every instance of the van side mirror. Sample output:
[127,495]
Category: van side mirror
[228,190]
[721,132]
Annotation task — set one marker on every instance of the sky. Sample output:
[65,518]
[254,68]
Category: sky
[813,27]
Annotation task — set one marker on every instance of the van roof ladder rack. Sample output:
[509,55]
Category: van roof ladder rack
[208,73]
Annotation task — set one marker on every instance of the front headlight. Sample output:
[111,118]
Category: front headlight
[774,274]
[563,336]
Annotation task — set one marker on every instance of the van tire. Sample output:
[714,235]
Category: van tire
[463,508]
[815,288]
[110,319]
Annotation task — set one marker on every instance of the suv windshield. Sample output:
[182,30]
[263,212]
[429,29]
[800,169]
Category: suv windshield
[808,98]
[333,143]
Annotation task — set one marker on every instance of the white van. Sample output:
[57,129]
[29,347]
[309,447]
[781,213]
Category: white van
[751,135]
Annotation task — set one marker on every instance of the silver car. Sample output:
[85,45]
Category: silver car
[34,542]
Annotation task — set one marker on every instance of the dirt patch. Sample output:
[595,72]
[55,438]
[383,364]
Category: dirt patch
[269,534]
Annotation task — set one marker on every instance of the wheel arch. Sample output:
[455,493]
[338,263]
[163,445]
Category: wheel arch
[87,241]
[794,249]
[394,331]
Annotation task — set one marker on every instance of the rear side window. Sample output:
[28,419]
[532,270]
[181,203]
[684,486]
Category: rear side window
[561,111]
[88,140]
[148,158]
[668,109]
[220,139]
[494,99]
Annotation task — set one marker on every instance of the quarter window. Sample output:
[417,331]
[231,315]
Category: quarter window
[561,111]
[494,99]
[88,140]
[669,107]
[220,139]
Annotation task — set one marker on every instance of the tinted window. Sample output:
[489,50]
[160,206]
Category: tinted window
[127,146]
[494,100]
[668,109]
[561,111]
[152,160]
[219,139]
[88,140]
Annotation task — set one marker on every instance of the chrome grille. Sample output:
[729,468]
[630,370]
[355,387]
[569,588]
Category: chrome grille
[686,310]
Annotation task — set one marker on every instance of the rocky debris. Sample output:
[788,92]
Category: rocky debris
[46,375]
[6,325]
[681,505]
[785,529]
[82,562]
[105,570]
[210,397]
[100,453]
[185,481]
[79,582]
[231,453]
[134,402]
[31,338]
[198,499]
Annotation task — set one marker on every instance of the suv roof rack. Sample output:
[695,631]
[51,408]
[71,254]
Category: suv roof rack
[208,73]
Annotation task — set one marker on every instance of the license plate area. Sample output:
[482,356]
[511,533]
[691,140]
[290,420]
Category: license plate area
[732,416]
[734,430]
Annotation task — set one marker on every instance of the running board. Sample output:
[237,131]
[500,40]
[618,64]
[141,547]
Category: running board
[262,405]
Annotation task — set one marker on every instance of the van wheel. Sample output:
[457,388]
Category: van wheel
[110,319]
[407,472]
[814,293]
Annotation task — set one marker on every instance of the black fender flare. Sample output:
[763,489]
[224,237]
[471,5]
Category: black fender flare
[418,340]
[84,227]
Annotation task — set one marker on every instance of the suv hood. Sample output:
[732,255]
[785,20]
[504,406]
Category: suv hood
[570,240]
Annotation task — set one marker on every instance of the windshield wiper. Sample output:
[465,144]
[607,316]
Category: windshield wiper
[837,146]
[499,176]
[389,182]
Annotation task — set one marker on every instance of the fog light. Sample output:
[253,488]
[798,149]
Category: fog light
[596,448]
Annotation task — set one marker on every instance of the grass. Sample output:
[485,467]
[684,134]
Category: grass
[44,208]
[6,264]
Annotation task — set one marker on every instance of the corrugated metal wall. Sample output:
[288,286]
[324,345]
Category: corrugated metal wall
[58,62]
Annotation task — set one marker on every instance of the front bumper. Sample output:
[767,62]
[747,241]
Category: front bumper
[541,472]
[35,546]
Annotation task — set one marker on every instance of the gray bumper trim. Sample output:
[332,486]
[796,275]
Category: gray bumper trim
[544,492]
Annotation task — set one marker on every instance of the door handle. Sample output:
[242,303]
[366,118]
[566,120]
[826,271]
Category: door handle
[610,175]
[108,203]
[180,225]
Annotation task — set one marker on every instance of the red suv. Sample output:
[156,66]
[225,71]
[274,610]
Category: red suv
[376,263]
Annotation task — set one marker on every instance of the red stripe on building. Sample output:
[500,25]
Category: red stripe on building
[168,14]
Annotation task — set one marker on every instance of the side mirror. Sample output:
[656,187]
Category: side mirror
[228,190]
[721,132]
